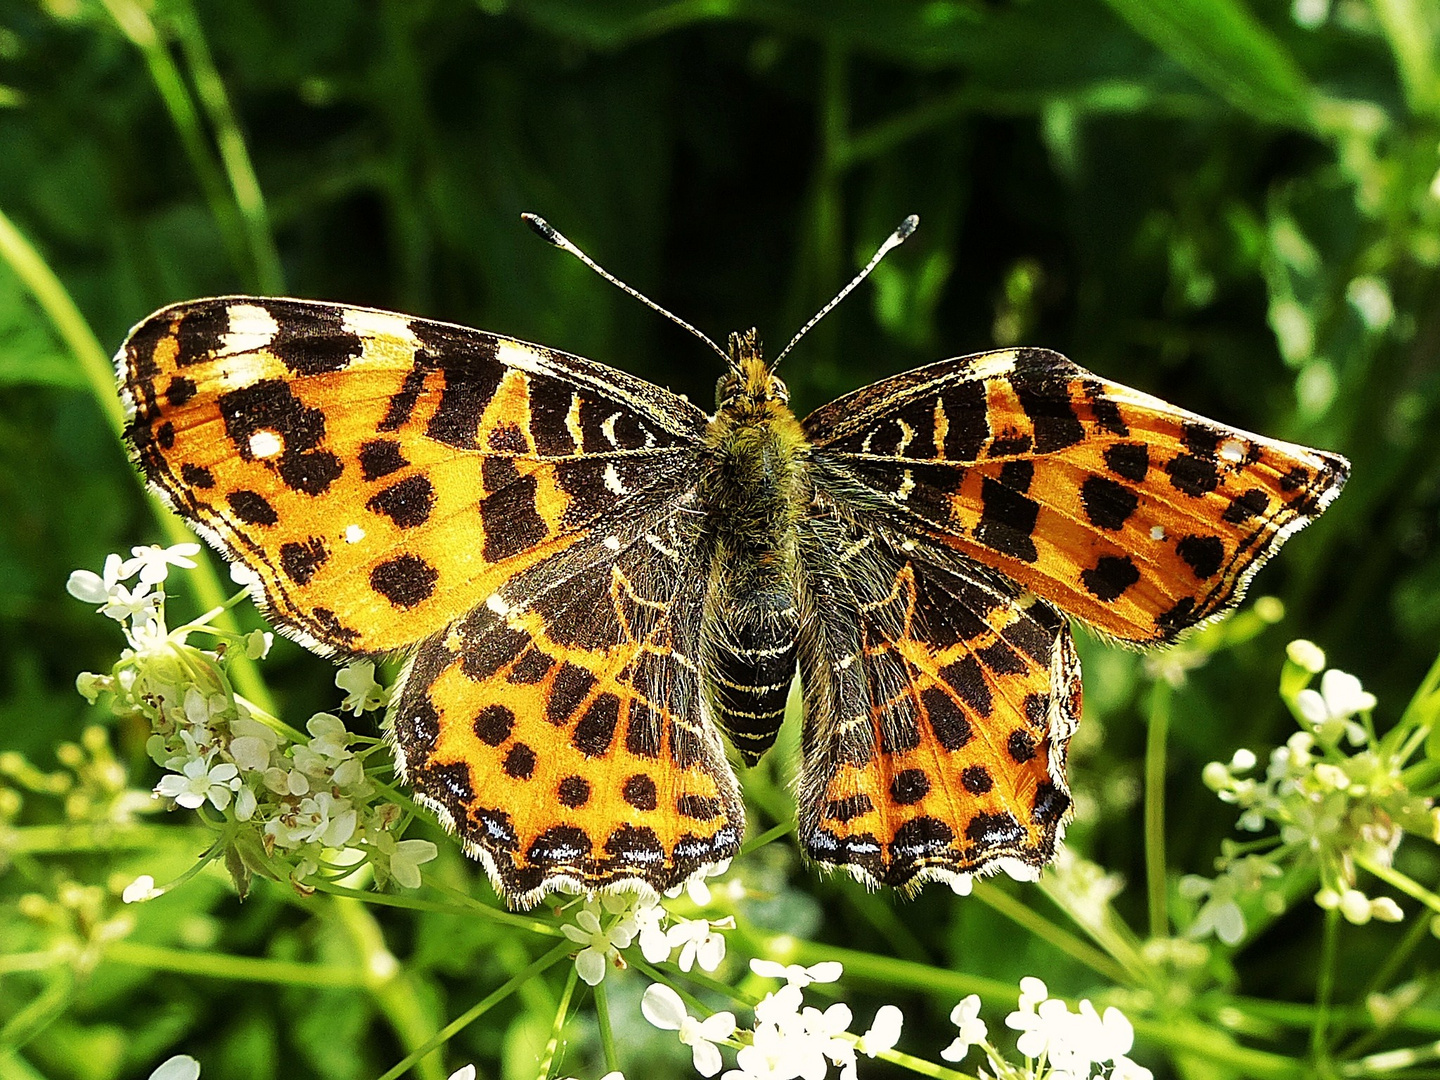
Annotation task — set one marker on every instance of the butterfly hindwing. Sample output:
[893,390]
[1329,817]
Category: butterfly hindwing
[938,707]
[556,730]
[379,472]
[1134,516]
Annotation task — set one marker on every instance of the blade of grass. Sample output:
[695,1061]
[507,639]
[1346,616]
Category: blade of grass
[234,154]
[1155,876]
[135,23]
[1222,44]
[35,274]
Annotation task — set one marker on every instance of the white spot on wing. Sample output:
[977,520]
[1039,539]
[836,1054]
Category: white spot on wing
[514,354]
[990,365]
[907,435]
[265,444]
[372,324]
[354,534]
[612,479]
[613,543]
[1233,451]
[1157,532]
[608,429]
[243,369]
[572,422]
[907,485]
[251,328]
[497,604]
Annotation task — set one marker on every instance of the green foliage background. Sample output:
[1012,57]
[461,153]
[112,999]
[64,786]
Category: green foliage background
[1178,194]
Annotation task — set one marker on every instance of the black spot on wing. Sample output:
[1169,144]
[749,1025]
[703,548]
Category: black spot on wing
[1045,397]
[519,763]
[407,503]
[404,581]
[976,779]
[1203,554]
[380,457]
[994,830]
[1245,506]
[252,508]
[311,339]
[200,332]
[1103,408]
[908,787]
[1107,504]
[848,808]
[950,725]
[493,724]
[1017,475]
[1129,461]
[511,521]
[179,391]
[300,561]
[1007,520]
[967,420]
[1192,475]
[1110,576]
[573,791]
[197,476]
[640,792]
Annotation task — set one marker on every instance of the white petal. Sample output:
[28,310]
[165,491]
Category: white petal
[89,587]
[179,1067]
[590,965]
[662,1007]
[719,1026]
[707,1059]
[884,1033]
[827,971]
[465,1072]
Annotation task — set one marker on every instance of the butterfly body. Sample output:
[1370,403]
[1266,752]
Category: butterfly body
[754,493]
[593,579]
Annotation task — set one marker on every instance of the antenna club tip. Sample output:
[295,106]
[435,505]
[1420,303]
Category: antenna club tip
[908,226]
[542,228]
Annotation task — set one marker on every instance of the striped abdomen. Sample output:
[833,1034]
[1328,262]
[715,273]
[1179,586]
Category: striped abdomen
[753,664]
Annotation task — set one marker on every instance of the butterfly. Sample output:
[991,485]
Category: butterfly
[598,584]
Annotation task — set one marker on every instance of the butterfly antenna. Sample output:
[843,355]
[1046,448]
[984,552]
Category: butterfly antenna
[894,240]
[548,232]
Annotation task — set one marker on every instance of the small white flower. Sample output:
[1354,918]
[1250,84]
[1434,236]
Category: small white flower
[465,1072]
[154,562]
[196,783]
[362,692]
[698,942]
[648,915]
[1032,992]
[972,1030]
[141,889]
[662,1007]
[602,944]
[124,605]
[1340,697]
[257,644]
[827,971]
[884,1032]
[962,884]
[179,1067]
[1306,655]
[327,820]
[252,743]
[93,588]
[406,859]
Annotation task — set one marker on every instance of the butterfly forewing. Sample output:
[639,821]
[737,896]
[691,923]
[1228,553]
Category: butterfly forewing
[1134,516]
[379,472]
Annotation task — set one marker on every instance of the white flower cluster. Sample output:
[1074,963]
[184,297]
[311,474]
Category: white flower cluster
[1334,793]
[608,924]
[789,1039]
[1057,1044]
[309,800]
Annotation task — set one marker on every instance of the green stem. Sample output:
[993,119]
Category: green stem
[1155,875]
[557,1029]
[607,1032]
[1325,988]
[394,992]
[467,908]
[922,1067]
[1047,931]
[1404,882]
[480,1008]
[772,833]
[67,839]
[239,968]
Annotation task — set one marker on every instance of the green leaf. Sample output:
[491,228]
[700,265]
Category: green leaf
[1222,45]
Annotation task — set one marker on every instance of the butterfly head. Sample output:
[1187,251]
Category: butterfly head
[749,384]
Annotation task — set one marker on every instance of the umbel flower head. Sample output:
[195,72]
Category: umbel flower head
[294,805]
